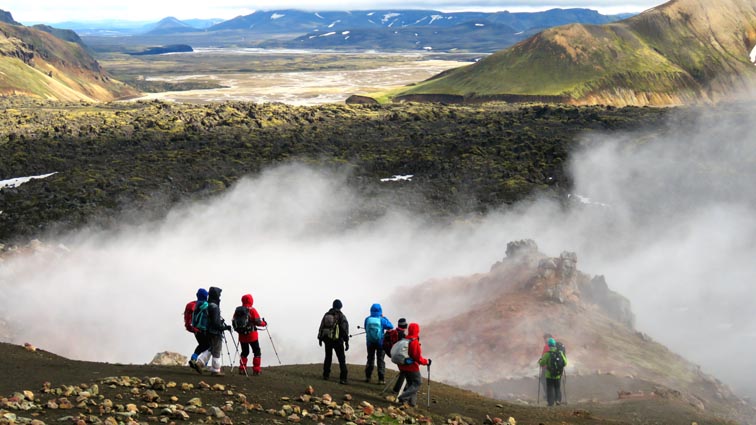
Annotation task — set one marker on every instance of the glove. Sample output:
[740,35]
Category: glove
[320,342]
[346,347]
[227,328]
[429,362]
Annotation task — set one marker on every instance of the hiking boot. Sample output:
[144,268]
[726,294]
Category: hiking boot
[343,382]
[242,371]
[218,373]
[382,381]
[193,364]
[256,373]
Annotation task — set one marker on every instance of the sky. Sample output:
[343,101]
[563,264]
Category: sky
[51,11]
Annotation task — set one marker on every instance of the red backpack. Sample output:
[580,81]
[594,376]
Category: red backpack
[389,339]
[188,311]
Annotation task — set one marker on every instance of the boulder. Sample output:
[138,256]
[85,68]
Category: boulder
[356,99]
[167,358]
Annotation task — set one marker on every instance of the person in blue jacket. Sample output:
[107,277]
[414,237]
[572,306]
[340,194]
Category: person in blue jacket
[375,325]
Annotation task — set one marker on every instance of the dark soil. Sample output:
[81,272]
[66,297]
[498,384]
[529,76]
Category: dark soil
[25,370]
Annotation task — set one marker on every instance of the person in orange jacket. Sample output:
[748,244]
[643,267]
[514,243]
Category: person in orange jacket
[411,370]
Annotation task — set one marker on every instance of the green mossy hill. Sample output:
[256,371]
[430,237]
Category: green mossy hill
[684,51]
[149,155]
[35,62]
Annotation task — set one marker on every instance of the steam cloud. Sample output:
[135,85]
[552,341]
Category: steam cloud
[671,226]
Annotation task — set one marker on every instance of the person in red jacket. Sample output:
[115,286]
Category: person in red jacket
[250,339]
[411,371]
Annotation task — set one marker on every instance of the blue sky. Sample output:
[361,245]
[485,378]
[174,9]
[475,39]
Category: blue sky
[141,10]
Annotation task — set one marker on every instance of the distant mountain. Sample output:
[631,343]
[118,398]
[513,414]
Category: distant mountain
[63,34]
[172,48]
[36,62]
[7,18]
[298,22]
[202,23]
[171,25]
[683,51]
[478,36]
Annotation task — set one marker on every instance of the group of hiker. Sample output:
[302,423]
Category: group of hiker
[401,344]
[202,317]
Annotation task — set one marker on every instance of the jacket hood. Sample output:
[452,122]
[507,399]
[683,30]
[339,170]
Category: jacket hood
[201,294]
[214,294]
[413,331]
[247,300]
[376,310]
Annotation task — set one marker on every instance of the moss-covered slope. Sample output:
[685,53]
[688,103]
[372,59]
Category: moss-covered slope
[683,51]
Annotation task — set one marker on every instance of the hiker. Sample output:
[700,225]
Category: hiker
[545,350]
[555,361]
[390,338]
[375,325]
[246,320]
[197,325]
[410,369]
[215,328]
[334,332]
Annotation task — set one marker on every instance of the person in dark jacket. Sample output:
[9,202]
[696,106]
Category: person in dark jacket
[203,342]
[411,371]
[553,378]
[215,328]
[334,333]
[250,339]
[375,325]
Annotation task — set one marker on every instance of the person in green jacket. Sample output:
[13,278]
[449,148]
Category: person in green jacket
[553,369]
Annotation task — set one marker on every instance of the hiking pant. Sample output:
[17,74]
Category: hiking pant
[554,391]
[255,348]
[203,343]
[375,350]
[414,381]
[338,347]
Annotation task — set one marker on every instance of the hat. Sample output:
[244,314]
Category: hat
[402,323]
[201,294]
[551,342]
[337,304]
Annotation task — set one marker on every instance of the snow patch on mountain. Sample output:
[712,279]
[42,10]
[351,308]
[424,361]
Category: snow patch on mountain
[753,55]
[397,178]
[333,24]
[480,25]
[387,17]
[435,18]
[328,34]
[276,16]
[318,15]
[18,181]
[345,32]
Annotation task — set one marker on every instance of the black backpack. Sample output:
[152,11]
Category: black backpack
[241,322]
[556,363]
[329,327]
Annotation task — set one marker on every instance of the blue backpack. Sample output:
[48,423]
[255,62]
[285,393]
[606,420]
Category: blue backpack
[199,317]
[373,330]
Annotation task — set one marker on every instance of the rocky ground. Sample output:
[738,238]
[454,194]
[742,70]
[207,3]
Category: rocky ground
[39,387]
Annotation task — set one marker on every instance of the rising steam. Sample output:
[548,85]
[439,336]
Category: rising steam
[670,224]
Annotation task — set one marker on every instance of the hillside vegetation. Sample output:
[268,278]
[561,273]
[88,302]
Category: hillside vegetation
[117,156]
[684,51]
[36,62]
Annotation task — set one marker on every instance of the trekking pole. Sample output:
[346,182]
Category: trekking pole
[429,386]
[236,350]
[540,374]
[274,345]
[361,333]
[564,382]
[393,381]
[228,352]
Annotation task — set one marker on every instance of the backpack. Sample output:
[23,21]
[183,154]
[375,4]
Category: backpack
[329,327]
[373,330]
[560,347]
[400,352]
[555,364]
[199,316]
[389,339]
[241,322]
[188,313]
